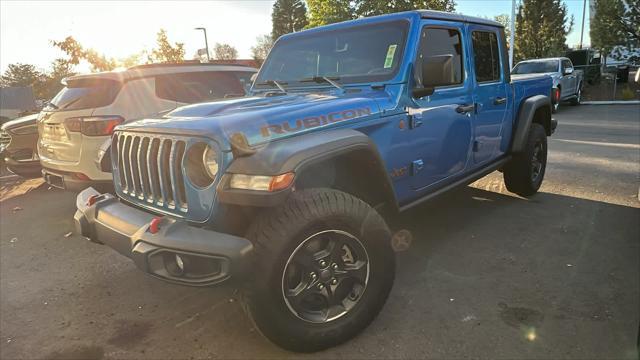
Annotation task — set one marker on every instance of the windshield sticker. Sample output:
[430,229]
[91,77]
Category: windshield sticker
[313,121]
[388,61]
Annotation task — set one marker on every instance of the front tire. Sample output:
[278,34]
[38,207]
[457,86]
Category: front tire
[523,175]
[324,269]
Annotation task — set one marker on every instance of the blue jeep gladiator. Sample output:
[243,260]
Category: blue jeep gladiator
[286,189]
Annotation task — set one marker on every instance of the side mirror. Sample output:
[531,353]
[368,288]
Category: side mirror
[567,71]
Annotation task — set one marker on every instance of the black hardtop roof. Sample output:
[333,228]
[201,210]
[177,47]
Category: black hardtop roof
[443,15]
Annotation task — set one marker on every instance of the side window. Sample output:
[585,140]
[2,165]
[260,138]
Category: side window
[486,56]
[193,87]
[440,57]
[566,64]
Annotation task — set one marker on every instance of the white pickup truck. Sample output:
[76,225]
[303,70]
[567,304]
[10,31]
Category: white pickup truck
[567,81]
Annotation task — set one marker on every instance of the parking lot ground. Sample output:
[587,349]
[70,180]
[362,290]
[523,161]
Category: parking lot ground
[488,275]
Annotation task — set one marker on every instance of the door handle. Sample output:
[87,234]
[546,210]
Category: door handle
[462,109]
[499,101]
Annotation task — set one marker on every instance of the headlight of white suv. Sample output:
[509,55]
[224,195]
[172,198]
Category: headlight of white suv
[201,164]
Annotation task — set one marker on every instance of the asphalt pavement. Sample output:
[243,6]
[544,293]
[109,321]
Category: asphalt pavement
[488,274]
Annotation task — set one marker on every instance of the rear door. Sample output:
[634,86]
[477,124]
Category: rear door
[442,122]
[568,81]
[490,92]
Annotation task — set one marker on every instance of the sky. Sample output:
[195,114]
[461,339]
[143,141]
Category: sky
[121,28]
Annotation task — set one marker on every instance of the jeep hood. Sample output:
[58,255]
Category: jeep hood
[266,118]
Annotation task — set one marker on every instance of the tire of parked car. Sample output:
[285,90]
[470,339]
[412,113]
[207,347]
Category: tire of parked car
[578,96]
[324,269]
[523,175]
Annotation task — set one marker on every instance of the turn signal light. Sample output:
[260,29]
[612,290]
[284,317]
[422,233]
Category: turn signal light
[261,182]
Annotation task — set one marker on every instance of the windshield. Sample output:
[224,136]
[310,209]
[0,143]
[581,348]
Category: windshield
[536,67]
[84,94]
[365,53]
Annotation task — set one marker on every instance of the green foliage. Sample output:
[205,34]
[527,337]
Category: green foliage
[542,27]
[165,51]
[323,12]
[627,93]
[379,7]
[76,53]
[288,16]
[224,52]
[505,20]
[261,49]
[44,85]
[631,22]
[606,27]
[60,69]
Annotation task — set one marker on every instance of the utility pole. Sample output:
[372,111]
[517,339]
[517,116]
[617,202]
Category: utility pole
[206,43]
[512,25]
[584,10]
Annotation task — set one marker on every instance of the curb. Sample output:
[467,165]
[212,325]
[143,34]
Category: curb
[612,102]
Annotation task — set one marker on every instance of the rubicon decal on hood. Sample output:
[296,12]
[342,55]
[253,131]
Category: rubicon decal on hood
[293,126]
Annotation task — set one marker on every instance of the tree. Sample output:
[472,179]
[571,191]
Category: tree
[541,29]
[379,7]
[288,16]
[225,52]
[165,51]
[606,27]
[76,53]
[260,51]
[24,75]
[60,69]
[505,20]
[323,12]
[631,21]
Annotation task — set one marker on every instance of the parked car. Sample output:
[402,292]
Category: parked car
[18,139]
[589,61]
[76,126]
[567,81]
[285,190]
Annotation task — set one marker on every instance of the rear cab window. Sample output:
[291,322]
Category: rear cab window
[85,94]
[486,56]
[194,87]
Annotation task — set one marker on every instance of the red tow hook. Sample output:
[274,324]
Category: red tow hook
[92,200]
[154,226]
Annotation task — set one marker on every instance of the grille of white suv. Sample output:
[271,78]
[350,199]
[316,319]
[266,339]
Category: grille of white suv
[149,168]
[5,138]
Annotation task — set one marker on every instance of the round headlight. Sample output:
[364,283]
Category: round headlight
[201,164]
[210,159]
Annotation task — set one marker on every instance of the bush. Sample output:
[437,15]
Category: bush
[627,93]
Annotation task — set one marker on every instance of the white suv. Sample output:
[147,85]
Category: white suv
[79,121]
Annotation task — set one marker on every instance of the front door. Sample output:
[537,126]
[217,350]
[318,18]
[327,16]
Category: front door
[490,92]
[442,122]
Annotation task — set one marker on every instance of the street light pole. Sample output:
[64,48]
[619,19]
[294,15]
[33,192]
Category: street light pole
[206,43]
[584,10]
[512,36]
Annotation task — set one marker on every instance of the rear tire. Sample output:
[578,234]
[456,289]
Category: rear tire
[578,97]
[294,256]
[523,175]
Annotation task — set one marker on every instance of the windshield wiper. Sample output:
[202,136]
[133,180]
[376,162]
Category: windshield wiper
[275,83]
[324,79]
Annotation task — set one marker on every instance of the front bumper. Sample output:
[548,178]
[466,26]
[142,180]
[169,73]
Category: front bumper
[206,257]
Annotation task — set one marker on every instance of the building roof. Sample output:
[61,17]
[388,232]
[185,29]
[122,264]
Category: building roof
[17,98]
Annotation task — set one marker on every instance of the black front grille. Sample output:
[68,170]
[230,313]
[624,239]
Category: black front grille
[149,168]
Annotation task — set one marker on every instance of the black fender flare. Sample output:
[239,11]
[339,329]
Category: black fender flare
[294,155]
[526,114]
